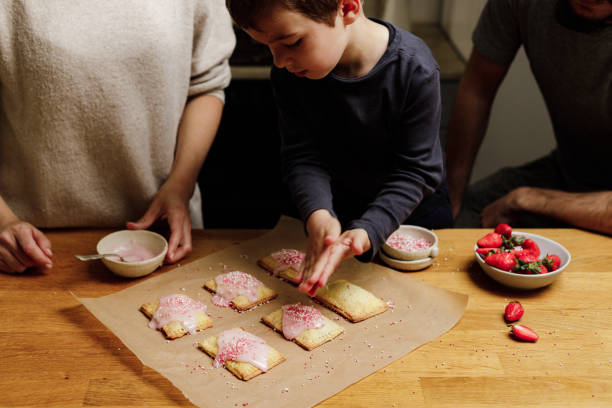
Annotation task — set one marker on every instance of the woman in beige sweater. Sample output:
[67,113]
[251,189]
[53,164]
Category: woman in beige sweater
[107,111]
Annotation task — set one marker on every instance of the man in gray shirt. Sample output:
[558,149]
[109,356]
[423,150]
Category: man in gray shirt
[569,46]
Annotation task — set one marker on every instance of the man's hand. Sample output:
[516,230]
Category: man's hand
[172,205]
[22,246]
[504,210]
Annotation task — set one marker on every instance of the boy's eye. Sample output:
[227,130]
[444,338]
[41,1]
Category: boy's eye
[294,44]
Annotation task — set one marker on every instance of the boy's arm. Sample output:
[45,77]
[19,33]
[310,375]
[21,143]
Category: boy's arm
[304,172]
[417,163]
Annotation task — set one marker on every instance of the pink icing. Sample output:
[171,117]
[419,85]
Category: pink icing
[233,284]
[287,258]
[132,252]
[299,317]
[239,345]
[177,308]
[406,243]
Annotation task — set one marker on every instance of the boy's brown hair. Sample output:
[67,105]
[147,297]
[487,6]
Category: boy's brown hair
[246,12]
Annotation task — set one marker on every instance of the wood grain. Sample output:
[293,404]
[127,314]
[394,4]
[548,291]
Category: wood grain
[56,354]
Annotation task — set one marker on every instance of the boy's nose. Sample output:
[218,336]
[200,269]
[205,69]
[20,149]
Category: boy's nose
[279,59]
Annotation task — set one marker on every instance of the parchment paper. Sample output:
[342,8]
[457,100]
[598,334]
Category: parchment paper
[420,314]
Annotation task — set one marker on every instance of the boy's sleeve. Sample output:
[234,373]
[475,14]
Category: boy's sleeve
[213,44]
[304,172]
[498,35]
[417,162]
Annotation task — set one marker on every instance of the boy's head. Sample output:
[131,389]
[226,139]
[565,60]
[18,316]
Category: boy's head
[307,37]
[247,12]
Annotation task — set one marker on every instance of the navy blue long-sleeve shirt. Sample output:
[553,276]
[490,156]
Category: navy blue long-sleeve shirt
[366,149]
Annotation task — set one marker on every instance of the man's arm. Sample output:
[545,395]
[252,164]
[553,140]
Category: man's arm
[469,120]
[591,210]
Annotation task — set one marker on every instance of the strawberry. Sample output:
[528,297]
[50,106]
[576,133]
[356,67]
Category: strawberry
[552,262]
[503,260]
[524,333]
[514,311]
[530,245]
[487,251]
[491,240]
[504,229]
[526,256]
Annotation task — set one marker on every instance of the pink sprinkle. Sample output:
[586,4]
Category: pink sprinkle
[406,243]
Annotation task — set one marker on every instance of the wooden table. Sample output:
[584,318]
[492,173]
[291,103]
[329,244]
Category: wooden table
[55,353]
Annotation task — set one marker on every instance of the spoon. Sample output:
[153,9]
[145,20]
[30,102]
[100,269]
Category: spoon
[98,256]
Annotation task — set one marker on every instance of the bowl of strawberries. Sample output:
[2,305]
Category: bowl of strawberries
[520,259]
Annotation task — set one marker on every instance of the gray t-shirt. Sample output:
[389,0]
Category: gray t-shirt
[574,72]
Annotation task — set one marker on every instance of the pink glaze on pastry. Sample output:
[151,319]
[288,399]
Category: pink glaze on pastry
[177,308]
[233,284]
[239,345]
[299,317]
[407,243]
[287,258]
[132,252]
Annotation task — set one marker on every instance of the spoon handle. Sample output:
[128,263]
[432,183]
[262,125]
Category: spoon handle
[94,256]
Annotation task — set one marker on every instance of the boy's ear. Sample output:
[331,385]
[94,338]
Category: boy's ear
[349,10]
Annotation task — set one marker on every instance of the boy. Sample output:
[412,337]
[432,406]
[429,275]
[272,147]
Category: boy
[359,113]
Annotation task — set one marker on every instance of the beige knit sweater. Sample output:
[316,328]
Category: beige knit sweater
[91,94]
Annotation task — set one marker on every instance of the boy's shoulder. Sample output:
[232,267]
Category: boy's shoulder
[408,50]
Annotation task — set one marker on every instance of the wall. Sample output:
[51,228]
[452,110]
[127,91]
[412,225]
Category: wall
[519,128]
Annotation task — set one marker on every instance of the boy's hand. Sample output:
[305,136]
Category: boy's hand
[23,246]
[319,226]
[350,243]
[170,205]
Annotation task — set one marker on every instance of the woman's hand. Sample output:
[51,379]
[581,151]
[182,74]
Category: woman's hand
[23,246]
[171,204]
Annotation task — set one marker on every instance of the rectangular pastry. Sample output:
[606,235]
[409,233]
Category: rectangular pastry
[176,315]
[285,263]
[242,353]
[239,289]
[350,300]
[305,325]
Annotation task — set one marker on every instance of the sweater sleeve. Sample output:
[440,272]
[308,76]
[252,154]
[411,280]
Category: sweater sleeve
[417,168]
[304,172]
[213,44]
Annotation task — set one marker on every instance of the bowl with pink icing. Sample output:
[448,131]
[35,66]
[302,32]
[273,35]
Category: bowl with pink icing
[142,252]
[411,243]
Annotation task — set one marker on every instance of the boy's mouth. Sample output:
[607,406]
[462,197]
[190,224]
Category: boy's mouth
[300,73]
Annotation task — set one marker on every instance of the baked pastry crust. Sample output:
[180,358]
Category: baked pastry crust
[175,329]
[242,303]
[308,339]
[269,264]
[350,300]
[242,370]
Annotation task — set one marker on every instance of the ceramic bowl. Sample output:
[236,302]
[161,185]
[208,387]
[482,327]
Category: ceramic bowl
[414,232]
[520,281]
[415,265]
[148,240]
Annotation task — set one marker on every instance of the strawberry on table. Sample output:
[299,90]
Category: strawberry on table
[514,311]
[491,240]
[524,333]
[503,260]
[504,229]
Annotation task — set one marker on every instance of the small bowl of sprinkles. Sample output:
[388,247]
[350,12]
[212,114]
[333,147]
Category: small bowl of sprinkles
[410,248]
